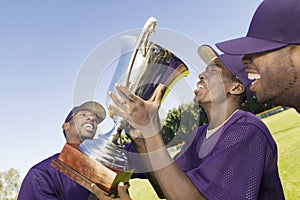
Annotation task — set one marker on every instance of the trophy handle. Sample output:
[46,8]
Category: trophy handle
[147,31]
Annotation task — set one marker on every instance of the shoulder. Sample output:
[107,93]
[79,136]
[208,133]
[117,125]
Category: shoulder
[243,118]
[247,126]
[247,117]
[43,169]
[40,175]
[44,164]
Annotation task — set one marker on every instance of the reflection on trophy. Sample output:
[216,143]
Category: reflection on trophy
[103,161]
[150,65]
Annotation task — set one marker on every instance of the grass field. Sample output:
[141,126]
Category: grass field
[285,128]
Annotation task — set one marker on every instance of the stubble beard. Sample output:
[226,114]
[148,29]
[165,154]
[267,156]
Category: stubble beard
[283,75]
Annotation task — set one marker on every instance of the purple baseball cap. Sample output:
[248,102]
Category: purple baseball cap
[92,106]
[275,24]
[232,62]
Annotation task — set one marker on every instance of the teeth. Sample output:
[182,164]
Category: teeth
[253,76]
[88,126]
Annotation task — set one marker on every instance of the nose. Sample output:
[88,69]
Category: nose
[91,117]
[202,76]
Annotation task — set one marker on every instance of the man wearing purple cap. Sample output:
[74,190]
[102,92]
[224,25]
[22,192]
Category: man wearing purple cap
[44,181]
[232,157]
[271,51]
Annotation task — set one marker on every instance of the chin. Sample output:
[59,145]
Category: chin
[266,99]
[88,136]
[195,100]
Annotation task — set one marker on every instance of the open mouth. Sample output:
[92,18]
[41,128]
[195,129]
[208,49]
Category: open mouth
[253,76]
[200,86]
[88,127]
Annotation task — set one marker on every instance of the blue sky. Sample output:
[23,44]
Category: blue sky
[44,45]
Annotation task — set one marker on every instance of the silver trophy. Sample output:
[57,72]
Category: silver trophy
[150,64]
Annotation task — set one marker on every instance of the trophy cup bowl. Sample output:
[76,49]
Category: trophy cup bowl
[150,65]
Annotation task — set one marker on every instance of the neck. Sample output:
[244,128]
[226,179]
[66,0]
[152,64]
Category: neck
[73,138]
[219,113]
[290,99]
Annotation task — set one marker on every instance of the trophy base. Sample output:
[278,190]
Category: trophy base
[87,171]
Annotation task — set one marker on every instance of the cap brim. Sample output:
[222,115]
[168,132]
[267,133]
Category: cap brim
[95,108]
[248,45]
[207,53]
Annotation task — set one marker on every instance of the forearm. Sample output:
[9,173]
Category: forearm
[174,184]
[163,172]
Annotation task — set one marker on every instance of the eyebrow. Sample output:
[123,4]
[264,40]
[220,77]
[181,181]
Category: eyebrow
[87,111]
[213,65]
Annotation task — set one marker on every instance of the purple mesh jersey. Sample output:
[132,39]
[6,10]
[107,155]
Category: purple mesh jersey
[45,182]
[239,161]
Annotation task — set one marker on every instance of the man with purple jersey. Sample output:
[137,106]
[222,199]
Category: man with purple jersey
[44,181]
[232,157]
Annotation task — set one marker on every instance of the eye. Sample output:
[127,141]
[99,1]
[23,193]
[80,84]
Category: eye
[95,120]
[82,114]
[212,70]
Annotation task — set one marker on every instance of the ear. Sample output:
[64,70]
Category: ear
[237,89]
[66,126]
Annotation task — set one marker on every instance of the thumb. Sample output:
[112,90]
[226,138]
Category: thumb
[158,94]
[123,191]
